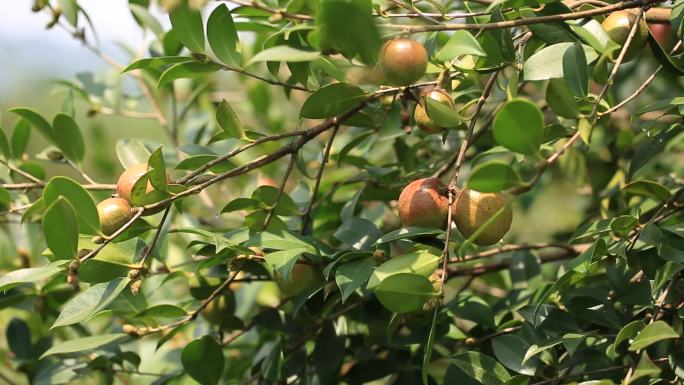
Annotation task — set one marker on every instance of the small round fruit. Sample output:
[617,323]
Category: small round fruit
[113,213]
[618,24]
[420,115]
[422,203]
[301,277]
[472,209]
[664,35]
[220,307]
[129,177]
[403,61]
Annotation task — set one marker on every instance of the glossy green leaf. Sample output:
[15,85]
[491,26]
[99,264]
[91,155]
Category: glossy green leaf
[30,275]
[405,292]
[652,333]
[352,275]
[222,36]
[203,360]
[36,120]
[187,70]
[561,99]
[84,344]
[68,137]
[60,228]
[575,71]
[493,176]
[647,188]
[482,368]
[547,63]
[187,22]
[332,100]
[156,63]
[284,53]
[460,43]
[519,126]
[89,302]
[421,263]
[229,122]
[443,115]
[510,350]
[20,137]
[80,200]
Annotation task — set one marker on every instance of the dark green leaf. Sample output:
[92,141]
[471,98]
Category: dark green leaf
[575,70]
[187,22]
[37,121]
[482,368]
[519,126]
[203,360]
[332,100]
[655,332]
[222,36]
[89,302]
[60,228]
[353,275]
[80,200]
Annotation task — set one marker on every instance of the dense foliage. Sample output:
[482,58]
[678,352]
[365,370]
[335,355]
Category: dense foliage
[259,240]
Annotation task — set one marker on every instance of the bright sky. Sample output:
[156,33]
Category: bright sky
[26,47]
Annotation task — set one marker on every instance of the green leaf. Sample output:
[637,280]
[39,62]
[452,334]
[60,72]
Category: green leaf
[85,344]
[647,188]
[359,233]
[30,275]
[222,36]
[353,35]
[156,63]
[575,70]
[645,368]
[192,163]
[70,11]
[649,150]
[80,200]
[283,260]
[421,263]
[405,292]
[672,64]
[4,145]
[183,70]
[280,240]
[163,311]
[547,63]
[89,302]
[187,22]
[267,195]
[429,345]
[519,126]
[131,152]
[561,99]
[203,360]
[60,228]
[331,100]
[407,232]
[655,332]
[482,368]
[493,176]
[628,331]
[68,137]
[352,275]
[20,137]
[157,170]
[37,121]
[459,44]
[229,122]
[145,18]
[284,53]
[443,115]
[510,350]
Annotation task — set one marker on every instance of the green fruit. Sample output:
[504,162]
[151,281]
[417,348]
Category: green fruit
[220,307]
[618,24]
[403,61]
[113,213]
[422,203]
[472,209]
[420,115]
[301,277]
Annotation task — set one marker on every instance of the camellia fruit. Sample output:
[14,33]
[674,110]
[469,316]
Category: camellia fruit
[124,186]
[420,115]
[301,277]
[113,213]
[403,61]
[618,24]
[422,203]
[664,35]
[472,209]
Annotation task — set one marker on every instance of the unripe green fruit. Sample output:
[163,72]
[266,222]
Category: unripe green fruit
[220,307]
[301,277]
[422,203]
[472,209]
[113,213]
[618,24]
[403,61]
[420,115]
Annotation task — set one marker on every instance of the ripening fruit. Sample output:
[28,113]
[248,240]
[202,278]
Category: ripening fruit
[113,213]
[301,277]
[420,115]
[473,208]
[403,61]
[220,307]
[422,203]
[127,180]
[664,35]
[618,24]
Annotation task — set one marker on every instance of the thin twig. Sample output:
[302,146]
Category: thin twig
[157,234]
[281,190]
[138,213]
[307,214]
[32,186]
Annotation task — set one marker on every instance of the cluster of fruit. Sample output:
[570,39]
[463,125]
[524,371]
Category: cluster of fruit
[117,211]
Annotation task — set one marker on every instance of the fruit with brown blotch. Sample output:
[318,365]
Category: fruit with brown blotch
[113,213]
[220,307]
[420,115]
[664,35]
[618,24]
[472,209]
[403,61]
[422,203]
[301,278]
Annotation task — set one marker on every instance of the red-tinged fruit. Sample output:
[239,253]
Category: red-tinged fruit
[420,115]
[403,61]
[422,203]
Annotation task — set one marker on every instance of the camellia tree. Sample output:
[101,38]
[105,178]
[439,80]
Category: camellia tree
[351,192]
